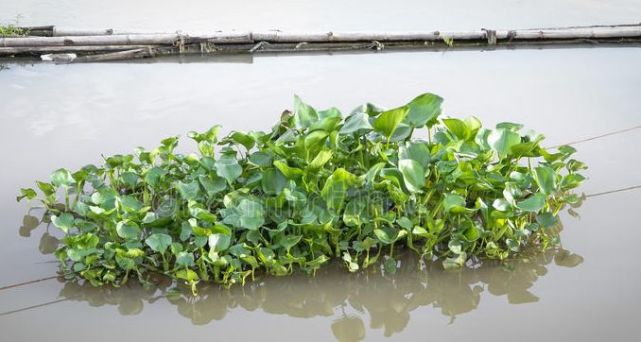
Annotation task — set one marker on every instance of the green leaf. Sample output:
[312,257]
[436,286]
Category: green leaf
[273,181]
[219,242]
[387,235]
[453,203]
[130,178]
[64,222]
[546,219]
[159,242]
[62,178]
[336,187]
[153,176]
[457,127]
[212,185]
[250,215]
[185,259]
[27,193]
[315,140]
[413,174]
[227,167]
[352,215]
[243,139]
[388,121]
[320,160]
[423,109]
[417,151]
[304,114]
[501,140]
[545,178]
[288,171]
[187,275]
[128,230]
[290,241]
[356,123]
[261,159]
[533,203]
[188,191]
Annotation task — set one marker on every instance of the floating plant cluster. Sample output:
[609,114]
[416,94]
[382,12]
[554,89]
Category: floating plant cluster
[318,186]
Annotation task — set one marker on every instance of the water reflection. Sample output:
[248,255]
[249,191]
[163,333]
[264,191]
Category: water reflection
[383,300]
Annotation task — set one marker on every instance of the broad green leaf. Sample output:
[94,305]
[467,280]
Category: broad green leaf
[187,275]
[423,109]
[212,185]
[320,160]
[63,222]
[387,235]
[243,139]
[290,241]
[387,121]
[288,171]
[457,127]
[251,214]
[413,174]
[533,203]
[336,187]
[273,181]
[545,178]
[463,129]
[453,203]
[219,242]
[153,176]
[185,259]
[546,219]
[501,140]
[304,114]
[62,178]
[261,159]
[315,140]
[128,230]
[228,168]
[130,178]
[159,242]
[356,123]
[352,216]
[188,191]
[417,151]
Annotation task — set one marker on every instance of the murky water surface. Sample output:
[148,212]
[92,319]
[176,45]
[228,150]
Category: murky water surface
[68,115]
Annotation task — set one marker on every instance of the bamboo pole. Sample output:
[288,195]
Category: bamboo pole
[91,42]
[116,56]
[61,32]
[129,39]
[276,36]
[71,49]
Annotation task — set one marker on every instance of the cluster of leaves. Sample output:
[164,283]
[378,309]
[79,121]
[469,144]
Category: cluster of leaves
[316,187]
[12,30]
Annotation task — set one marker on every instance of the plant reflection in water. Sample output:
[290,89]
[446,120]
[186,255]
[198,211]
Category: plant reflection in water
[388,300]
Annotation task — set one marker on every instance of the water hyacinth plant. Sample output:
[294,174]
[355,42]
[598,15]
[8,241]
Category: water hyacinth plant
[317,187]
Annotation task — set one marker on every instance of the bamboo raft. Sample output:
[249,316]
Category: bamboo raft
[65,45]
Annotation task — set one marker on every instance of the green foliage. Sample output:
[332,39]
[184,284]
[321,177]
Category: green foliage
[13,30]
[316,187]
